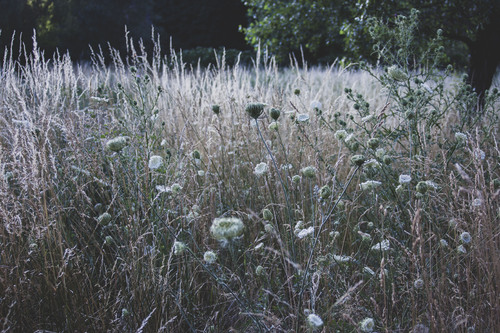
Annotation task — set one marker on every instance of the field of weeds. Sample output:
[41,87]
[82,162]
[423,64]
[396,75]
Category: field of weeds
[145,196]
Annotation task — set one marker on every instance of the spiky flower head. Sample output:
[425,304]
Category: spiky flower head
[274,113]
[314,321]
[117,143]
[367,325]
[226,228]
[309,172]
[155,162]
[254,110]
[325,192]
[358,160]
[267,214]
[210,257]
[261,169]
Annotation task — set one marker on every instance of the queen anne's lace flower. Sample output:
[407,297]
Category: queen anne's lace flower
[314,321]
[155,162]
[367,325]
[226,228]
[261,169]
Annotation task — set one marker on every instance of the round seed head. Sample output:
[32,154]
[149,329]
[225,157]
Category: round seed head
[254,110]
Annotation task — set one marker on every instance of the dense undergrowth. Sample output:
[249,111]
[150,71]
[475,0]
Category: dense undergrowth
[147,196]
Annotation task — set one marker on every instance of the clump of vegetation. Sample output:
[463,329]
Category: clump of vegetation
[148,197]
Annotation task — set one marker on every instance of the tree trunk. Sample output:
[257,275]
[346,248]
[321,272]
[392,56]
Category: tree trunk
[484,58]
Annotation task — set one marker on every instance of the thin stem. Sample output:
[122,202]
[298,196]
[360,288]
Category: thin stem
[282,185]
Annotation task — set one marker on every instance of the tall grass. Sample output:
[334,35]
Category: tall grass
[100,239]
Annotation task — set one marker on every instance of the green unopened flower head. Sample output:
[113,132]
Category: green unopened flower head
[461,138]
[358,160]
[325,192]
[196,154]
[216,109]
[274,113]
[267,214]
[396,73]
[226,228]
[309,172]
[117,143]
[422,187]
[104,218]
[296,179]
[254,110]
[373,143]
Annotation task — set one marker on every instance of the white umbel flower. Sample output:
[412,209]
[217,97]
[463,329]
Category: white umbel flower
[314,321]
[155,162]
[305,232]
[404,179]
[226,228]
[384,245]
[210,257]
[261,169]
[316,105]
[367,325]
[370,185]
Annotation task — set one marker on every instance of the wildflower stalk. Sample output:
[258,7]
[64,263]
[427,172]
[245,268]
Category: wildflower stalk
[282,184]
[316,238]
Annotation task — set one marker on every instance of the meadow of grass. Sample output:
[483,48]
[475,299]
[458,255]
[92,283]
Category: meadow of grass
[145,196]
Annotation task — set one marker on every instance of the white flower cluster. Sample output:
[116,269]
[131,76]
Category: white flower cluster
[226,228]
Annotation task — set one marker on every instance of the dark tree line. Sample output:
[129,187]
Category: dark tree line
[75,24]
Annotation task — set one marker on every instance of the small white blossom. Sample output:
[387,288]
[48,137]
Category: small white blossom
[384,245]
[340,135]
[372,163]
[179,247]
[370,185]
[465,237]
[117,143]
[302,118]
[314,321]
[341,259]
[367,325]
[404,179]
[316,105]
[368,270]
[443,243]
[461,249]
[261,169]
[479,154]
[210,257]
[155,162]
[418,284]
[305,232]
[367,118]
[461,138]
[477,202]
